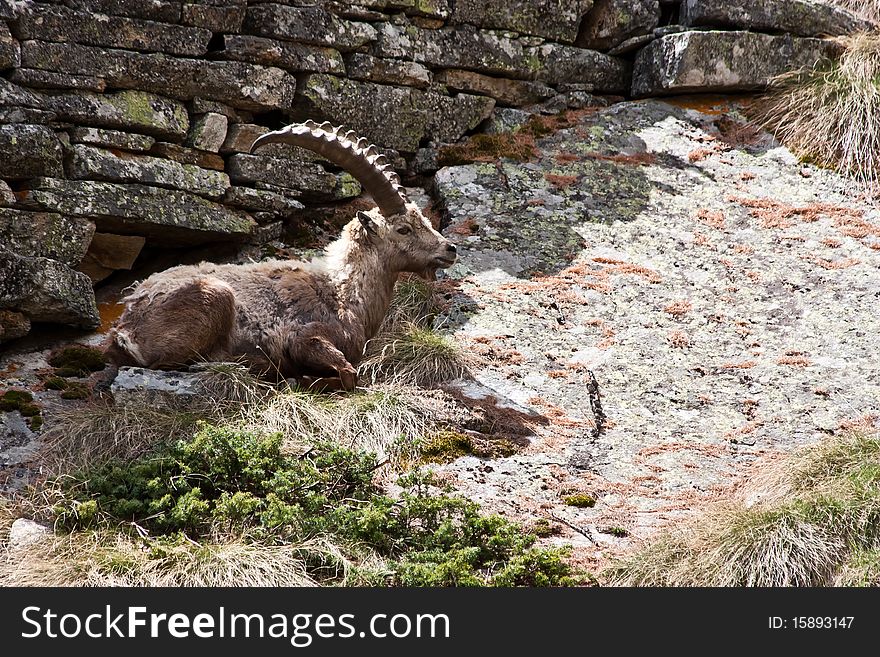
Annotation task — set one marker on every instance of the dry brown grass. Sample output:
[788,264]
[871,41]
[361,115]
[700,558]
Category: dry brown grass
[386,419]
[868,9]
[807,519]
[831,114]
[99,432]
[409,350]
[115,558]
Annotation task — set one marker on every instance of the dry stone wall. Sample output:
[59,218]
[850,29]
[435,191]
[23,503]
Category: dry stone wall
[126,123]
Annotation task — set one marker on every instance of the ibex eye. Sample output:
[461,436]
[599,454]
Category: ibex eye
[404,230]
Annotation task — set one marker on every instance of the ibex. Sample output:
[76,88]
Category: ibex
[302,320]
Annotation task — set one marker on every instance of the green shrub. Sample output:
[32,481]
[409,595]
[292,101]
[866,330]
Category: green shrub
[245,484]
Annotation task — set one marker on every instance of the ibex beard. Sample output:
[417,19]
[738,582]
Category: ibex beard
[307,321]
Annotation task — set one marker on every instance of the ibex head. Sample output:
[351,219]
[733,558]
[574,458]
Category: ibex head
[399,231]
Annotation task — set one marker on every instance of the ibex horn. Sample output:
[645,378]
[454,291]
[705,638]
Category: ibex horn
[349,153]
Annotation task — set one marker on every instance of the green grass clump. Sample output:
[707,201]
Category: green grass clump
[581,500]
[415,355]
[830,114]
[77,361]
[542,528]
[816,522]
[619,532]
[862,568]
[240,483]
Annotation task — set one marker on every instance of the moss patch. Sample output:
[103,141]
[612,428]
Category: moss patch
[23,402]
[56,383]
[77,361]
[581,500]
[447,446]
[543,528]
[620,532]
[19,400]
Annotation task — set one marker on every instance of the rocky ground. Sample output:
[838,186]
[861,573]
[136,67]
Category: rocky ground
[721,293]
[659,296]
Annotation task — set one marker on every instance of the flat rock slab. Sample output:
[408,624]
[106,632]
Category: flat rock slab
[153,388]
[91,163]
[557,20]
[721,62]
[136,111]
[46,235]
[393,117]
[28,151]
[46,290]
[311,25]
[799,17]
[54,23]
[163,216]
[722,293]
[267,88]
[502,54]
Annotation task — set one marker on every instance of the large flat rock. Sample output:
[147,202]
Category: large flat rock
[137,111]
[164,216]
[243,85]
[46,290]
[721,292]
[54,23]
[713,62]
[45,235]
[502,54]
[299,57]
[799,17]
[166,11]
[393,117]
[308,24]
[91,163]
[557,20]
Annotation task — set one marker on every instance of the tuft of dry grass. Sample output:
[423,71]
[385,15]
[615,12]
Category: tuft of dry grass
[861,569]
[830,114]
[413,355]
[867,9]
[118,558]
[387,420]
[98,432]
[409,350]
[808,519]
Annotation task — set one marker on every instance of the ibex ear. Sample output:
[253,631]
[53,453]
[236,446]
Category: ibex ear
[367,222]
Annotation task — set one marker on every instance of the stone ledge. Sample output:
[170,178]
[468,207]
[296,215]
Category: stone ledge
[720,62]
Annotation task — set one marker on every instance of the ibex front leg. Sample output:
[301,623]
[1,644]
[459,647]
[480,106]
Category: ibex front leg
[318,354]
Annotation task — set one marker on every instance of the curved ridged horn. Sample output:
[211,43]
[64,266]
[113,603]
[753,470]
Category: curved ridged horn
[346,151]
